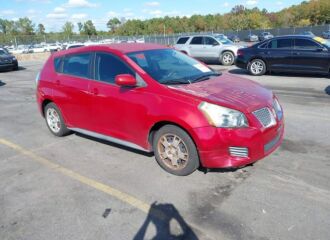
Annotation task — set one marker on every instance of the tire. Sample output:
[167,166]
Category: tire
[227,58]
[15,68]
[168,157]
[257,67]
[54,120]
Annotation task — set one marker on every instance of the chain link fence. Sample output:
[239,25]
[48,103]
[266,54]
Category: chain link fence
[164,39]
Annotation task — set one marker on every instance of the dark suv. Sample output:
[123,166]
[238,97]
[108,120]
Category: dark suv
[7,61]
[287,53]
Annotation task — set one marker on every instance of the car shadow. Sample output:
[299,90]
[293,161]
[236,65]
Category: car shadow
[239,71]
[168,222]
[112,144]
[222,170]
[327,90]
[2,83]
[20,68]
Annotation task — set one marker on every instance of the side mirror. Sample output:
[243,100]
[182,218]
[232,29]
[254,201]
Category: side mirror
[125,80]
[215,44]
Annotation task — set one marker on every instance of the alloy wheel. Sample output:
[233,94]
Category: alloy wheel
[53,120]
[173,151]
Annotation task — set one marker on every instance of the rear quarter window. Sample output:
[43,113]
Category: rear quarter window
[182,40]
[58,64]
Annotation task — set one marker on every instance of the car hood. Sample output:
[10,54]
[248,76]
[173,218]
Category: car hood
[6,57]
[229,91]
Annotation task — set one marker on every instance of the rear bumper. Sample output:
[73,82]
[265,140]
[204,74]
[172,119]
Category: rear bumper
[241,62]
[8,66]
[213,144]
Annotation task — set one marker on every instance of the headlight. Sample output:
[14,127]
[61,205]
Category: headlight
[14,59]
[223,117]
[278,109]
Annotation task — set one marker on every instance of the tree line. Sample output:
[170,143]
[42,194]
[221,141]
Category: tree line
[307,13]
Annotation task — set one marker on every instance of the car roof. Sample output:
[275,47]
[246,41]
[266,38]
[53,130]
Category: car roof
[122,48]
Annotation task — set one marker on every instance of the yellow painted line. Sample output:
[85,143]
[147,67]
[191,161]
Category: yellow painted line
[124,197]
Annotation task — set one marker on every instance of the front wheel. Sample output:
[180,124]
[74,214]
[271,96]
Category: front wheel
[257,67]
[227,58]
[54,120]
[175,151]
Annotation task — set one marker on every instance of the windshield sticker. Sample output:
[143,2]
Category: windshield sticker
[202,68]
[320,40]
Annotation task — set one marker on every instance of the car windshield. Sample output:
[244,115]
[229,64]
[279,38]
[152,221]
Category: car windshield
[168,66]
[223,40]
[2,52]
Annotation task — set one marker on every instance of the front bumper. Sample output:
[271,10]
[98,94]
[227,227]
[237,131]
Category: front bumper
[8,66]
[214,143]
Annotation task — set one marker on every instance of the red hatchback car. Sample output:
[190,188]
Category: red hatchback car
[156,99]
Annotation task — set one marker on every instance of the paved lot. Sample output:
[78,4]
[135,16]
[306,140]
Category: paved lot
[79,188]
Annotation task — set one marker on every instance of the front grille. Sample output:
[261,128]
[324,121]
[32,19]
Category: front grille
[265,117]
[238,152]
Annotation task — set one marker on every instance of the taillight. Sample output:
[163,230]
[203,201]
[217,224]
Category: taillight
[37,78]
[240,52]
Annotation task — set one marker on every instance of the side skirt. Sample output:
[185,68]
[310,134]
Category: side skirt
[110,139]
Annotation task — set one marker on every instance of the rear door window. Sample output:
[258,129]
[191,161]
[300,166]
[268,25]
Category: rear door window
[77,65]
[108,66]
[286,43]
[210,41]
[197,41]
[305,44]
[182,40]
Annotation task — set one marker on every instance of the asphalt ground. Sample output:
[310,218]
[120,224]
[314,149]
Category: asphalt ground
[77,187]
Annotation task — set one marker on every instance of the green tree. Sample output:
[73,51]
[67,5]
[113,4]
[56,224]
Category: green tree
[41,29]
[80,27]
[89,28]
[113,23]
[67,29]
[25,26]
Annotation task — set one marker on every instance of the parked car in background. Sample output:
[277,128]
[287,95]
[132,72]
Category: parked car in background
[208,48]
[308,33]
[53,47]
[234,38]
[326,34]
[252,38]
[296,53]
[21,49]
[7,61]
[38,48]
[156,99]
[74,45]
[265,36]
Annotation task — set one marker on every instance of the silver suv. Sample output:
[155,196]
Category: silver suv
[208,48]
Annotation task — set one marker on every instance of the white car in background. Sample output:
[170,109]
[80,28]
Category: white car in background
[74,45]
[209,48]
[53,47]
[20,49]
[38,48]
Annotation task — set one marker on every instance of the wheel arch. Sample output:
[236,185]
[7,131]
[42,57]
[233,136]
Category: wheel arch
[162,123]
[44,104]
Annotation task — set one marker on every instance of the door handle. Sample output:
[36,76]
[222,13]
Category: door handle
[95,91]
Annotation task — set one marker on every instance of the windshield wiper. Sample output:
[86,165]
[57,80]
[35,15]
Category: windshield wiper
[175,82]
[206,77]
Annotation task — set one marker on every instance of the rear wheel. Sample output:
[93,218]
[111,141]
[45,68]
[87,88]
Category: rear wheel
[54,120]
[227,58]
[257,67]
[175,151]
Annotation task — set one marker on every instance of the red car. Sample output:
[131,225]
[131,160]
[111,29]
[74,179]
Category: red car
[156,99]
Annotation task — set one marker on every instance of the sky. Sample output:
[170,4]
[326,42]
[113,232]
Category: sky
[54,13]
